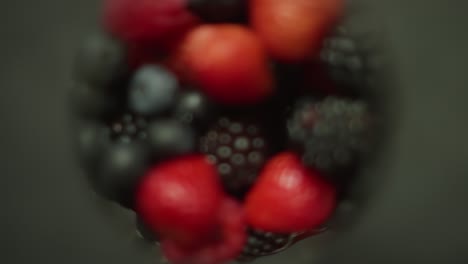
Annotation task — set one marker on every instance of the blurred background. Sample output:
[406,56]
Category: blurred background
[417,213]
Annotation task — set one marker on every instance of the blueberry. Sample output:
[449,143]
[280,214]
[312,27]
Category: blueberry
[100,61]
[90,141]
[120,168]
[152,90]
[89,103]
[219,10]
[193,108]
[169,138]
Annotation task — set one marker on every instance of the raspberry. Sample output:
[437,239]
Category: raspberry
[331,133]
[239,149]
[147,21]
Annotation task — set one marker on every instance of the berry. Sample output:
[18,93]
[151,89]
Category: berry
[179,199]
[293,30]
[147,21]
[120,169]
[128,127]
[193,108]
[238,148]
[100,62]
[288,197]
[331,134]
[152,90]
[228,243]
[218,10]
[90,141]
[168,138]
[344,61]
[260,243]
[228,63]
[89,103]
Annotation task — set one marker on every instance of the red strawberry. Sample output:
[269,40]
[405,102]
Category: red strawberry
[289,197]
[158,22]
[293,30]
[180,199]
[229,63]
[227,245]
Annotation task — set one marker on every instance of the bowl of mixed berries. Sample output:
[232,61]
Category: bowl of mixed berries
[231,128]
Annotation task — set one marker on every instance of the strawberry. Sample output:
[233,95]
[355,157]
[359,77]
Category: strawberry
[230,239]
[294,30]
[288,197]
[180,199]
[158,22]
[229,63]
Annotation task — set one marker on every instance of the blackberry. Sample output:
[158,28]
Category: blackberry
[153,90]
[239,148]
[261,243]
[100,61]
[128,127]
[331,133]
[219,10]
[344,61]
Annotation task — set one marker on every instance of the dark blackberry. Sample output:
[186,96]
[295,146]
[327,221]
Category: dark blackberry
[152,90]
[344,61]
[331,133]
[120,168]
[168,138]
[239,148]
[261,243]
[100,61]
[219,10]
[128,127]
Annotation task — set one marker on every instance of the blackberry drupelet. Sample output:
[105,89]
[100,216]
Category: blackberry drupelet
[344,61]
[239,148]
[128,127]
[331,133]
[261,243]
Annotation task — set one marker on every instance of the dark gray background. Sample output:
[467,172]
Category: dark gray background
[419,214]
